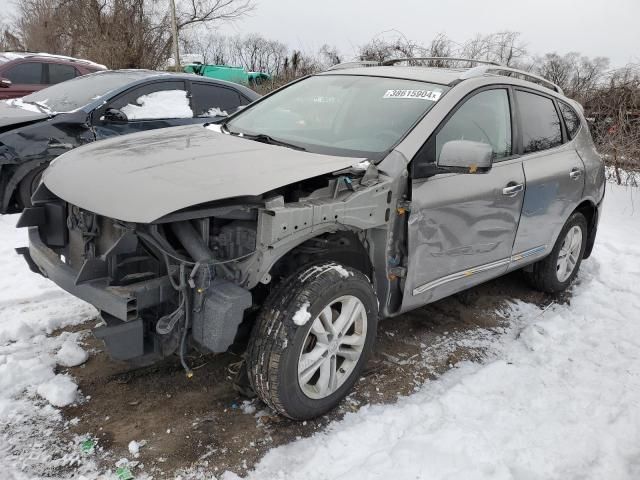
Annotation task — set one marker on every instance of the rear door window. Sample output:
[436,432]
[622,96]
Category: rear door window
[210,100]
[29,73]
[571,119]
[539,120]
[154,101]
[60,73]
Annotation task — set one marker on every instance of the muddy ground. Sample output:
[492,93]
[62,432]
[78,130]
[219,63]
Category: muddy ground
[203,424]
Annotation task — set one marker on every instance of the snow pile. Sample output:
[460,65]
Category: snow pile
[559,399]
[31,308]
[59,391]
[71,354]
[165,104]
[302,316]
[134,447]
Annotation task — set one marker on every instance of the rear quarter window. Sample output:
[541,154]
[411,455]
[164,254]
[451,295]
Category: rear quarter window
[571,119]
[540,124]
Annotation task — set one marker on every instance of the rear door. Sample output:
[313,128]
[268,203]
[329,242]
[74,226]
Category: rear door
[461,227]
[554,176]
[145,107]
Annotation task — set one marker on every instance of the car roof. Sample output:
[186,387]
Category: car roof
[6,57]
[442,76]
[447,76]
[142,75]
[135,77]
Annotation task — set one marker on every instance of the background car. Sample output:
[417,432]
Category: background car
[24,73]
[39,127]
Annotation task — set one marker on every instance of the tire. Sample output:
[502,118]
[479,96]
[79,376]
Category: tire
[547,275]
[28,185]
[290,337]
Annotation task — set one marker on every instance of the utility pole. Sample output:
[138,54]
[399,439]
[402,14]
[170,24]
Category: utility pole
[174,31]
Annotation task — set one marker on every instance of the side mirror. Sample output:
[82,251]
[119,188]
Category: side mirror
[5,82]
[114,115]
[475,157]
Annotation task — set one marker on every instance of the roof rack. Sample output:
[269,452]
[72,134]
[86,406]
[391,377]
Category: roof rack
[354,64]
[510,72]
[484,67]
[445,59]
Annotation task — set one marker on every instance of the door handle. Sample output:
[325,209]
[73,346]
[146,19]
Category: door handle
[575,173]
[512,190]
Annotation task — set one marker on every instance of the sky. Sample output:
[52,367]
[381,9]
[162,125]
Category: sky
[592,27]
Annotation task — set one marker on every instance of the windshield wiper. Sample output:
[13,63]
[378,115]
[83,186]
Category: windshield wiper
[260,137]
[264,138]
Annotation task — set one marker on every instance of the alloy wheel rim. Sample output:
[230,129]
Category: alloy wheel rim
[569,253]
[333,346]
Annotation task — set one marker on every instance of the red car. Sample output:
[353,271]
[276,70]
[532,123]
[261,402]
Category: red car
[22,73]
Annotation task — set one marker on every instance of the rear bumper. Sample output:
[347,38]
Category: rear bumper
[124,303]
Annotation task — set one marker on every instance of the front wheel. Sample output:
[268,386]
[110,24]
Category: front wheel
[555,272]
[312,340]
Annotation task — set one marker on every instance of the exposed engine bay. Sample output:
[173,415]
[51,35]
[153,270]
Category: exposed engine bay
[192,277]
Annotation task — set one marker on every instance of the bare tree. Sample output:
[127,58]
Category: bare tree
[504,48]
[614,114]
[118,33]
[441,46]
[329,55]
[577,75]
[390,45]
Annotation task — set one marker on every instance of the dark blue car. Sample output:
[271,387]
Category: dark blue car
[37,128]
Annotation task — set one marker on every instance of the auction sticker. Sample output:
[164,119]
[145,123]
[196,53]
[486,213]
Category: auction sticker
[419,94]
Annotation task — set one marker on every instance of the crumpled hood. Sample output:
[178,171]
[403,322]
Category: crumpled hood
[11,115]
[144,176]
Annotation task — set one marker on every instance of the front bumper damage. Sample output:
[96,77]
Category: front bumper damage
[130,312]
[123,303]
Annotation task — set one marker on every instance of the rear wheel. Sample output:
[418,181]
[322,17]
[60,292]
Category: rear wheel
[312,340]
[556,272]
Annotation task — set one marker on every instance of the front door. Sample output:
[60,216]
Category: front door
[554,174]
[462,227]
[145,107]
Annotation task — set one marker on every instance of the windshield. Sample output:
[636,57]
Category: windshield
[340,114]
[80,91]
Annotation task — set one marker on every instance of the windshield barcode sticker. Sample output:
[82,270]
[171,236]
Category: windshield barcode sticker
[419,94]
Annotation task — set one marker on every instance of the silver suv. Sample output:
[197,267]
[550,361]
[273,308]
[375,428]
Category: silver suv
[289,230]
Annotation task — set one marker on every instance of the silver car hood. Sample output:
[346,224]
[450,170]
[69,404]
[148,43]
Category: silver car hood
[144,176]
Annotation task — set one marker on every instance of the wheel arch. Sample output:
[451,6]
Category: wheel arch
[589,209]
[343,246]
[11,188]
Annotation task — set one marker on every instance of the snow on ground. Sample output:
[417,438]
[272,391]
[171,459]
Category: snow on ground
[557,397]
[560,397]
[31,308]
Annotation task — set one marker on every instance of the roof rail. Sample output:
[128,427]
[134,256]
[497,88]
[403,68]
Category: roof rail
[354,64]
[446,59]
[510,72]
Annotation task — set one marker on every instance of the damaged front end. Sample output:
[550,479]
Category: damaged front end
[190,278]
[152,283]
